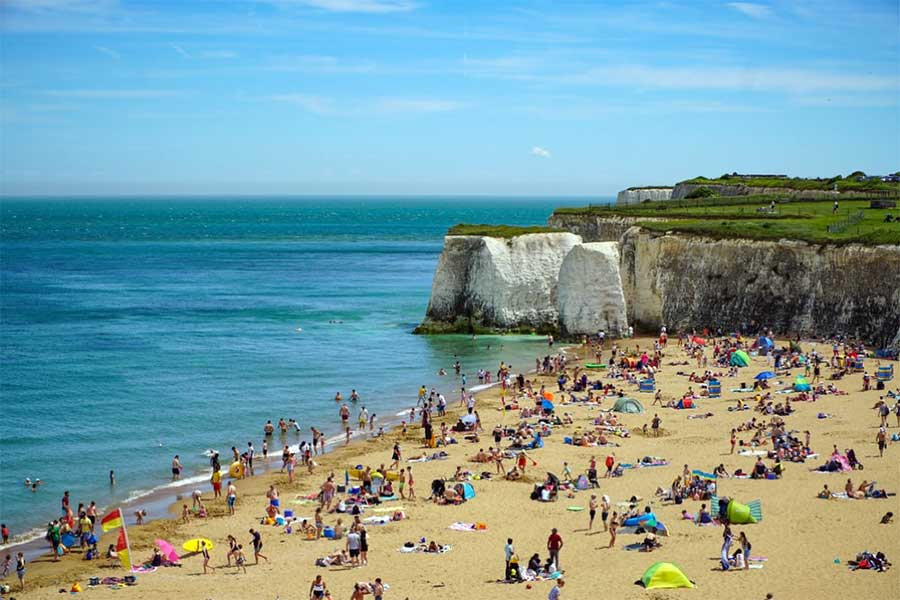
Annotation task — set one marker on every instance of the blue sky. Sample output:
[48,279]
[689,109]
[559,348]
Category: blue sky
[452,97]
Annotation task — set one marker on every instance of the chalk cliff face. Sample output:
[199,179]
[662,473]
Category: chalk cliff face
[595,228]
[683,189]
[484,282]
[792,287]
[635,196]
[590,291]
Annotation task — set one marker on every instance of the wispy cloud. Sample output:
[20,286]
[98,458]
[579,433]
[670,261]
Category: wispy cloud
[223,54]
[540,152]
[326,106]
[184,53]
[360,6]
[108,52]
[315,63]
[112,93]
[752,9]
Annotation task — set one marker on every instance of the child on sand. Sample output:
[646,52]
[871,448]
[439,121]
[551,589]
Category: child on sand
[205,552]
[613,525]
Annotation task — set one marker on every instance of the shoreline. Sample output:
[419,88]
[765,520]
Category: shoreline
[475,562]
[159,499]
[162,502]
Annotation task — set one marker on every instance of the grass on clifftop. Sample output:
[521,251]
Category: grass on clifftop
[499,231]
[748,217]
[850,184]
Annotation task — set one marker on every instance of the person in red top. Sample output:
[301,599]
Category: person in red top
[554,545]
[610,462]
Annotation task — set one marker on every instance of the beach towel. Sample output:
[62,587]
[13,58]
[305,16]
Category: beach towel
[460,526]
[575,508]
[384,520]
[753,452]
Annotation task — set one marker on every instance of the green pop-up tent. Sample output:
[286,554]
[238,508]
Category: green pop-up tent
[739,358]
[801,384]
[628,405]
[663,575]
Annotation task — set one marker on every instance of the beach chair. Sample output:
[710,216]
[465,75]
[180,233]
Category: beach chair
[885,373]
[714,388]
[648,385]
[857,365]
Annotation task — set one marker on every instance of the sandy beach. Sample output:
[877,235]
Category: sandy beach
[806,541]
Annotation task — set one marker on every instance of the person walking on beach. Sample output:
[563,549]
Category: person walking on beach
[881,440]
[216,481]
[353,546]
[613,525]
[257,543]
[733,439]
[745,549]
[592,511]
[556,590]
[554,545]
[231,498]
[20,570]
[205,552]
[409,482]
[395,456]
[176,469]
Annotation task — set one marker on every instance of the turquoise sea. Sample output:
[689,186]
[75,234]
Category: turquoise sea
[134,329]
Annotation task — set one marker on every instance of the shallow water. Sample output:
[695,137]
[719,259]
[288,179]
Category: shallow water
[137,329]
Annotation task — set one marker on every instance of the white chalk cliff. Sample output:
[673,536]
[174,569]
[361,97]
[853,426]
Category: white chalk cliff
[638,195]
[486,282]
[590,291]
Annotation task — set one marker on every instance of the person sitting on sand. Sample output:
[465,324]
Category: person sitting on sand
[853,493]
[887,519]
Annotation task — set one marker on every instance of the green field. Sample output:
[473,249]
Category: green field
[847,184]
[749,217]
[498,231]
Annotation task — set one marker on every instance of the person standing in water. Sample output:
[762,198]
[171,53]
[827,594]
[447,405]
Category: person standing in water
[176,468]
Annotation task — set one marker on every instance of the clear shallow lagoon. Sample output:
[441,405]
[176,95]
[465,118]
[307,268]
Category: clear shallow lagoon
[135,329]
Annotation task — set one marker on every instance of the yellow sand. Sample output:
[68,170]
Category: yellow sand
[800,535]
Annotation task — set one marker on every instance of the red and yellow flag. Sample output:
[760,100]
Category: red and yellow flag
[112,520]
[122,550]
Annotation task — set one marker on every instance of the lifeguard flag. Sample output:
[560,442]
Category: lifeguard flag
[112,520]
[122,549]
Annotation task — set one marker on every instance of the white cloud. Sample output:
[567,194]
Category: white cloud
[184,53]
[321,105]
[361,6]
[541,152]
[109,52]
[730,78]
[751,9]
[112,93]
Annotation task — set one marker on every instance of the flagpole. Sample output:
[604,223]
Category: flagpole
[127,544]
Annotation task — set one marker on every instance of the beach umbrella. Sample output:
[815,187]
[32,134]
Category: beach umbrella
[167,549]
[699,341]
[765,375]
[546,405]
